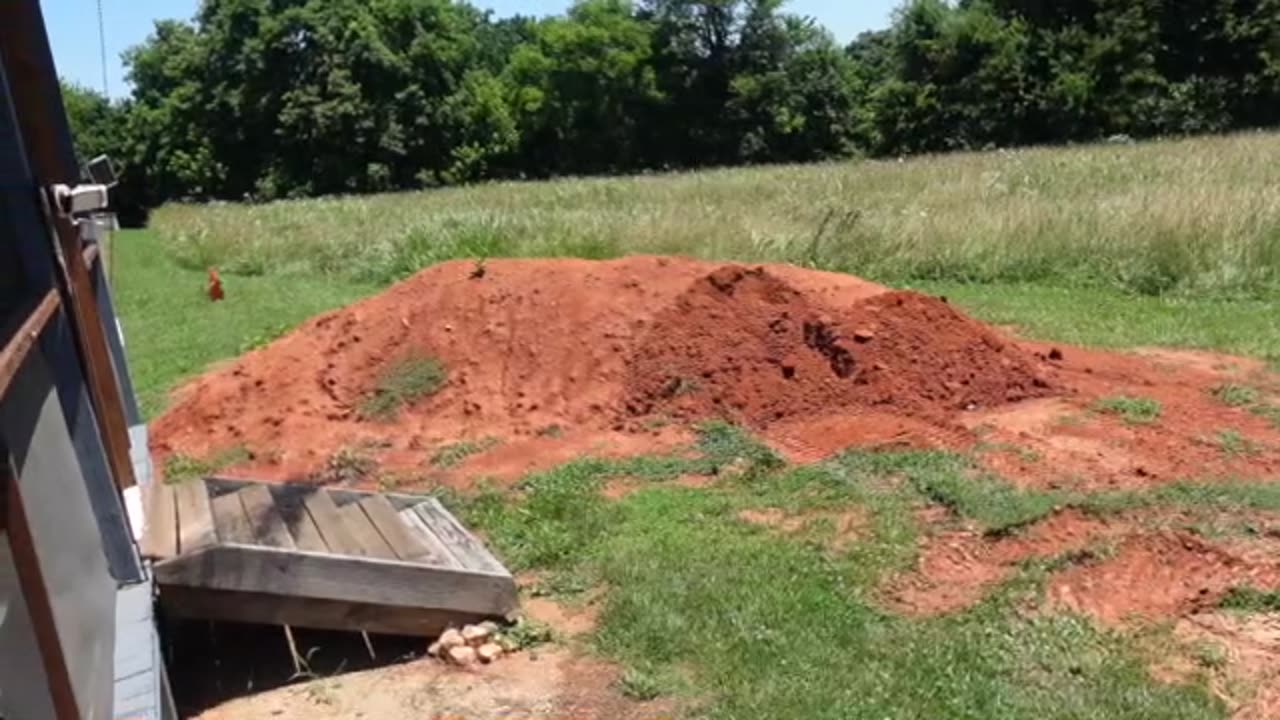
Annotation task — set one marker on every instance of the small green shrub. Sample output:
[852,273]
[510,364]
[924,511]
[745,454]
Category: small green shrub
[1210,655]
[1236,395]
[404,382]
[347,466]
[1133,410]
[526,634]
[1249,599]
[639,685]
[1270,412]
[725,445]
[180,468]
[1233,443]
[452,455]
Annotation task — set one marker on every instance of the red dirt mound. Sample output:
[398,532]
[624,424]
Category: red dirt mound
[742,343]
[554,359]
[563,357]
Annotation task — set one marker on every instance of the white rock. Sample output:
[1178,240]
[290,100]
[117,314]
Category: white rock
[462,656]
[476,635]
[489,652]
[434,650]
[452,639]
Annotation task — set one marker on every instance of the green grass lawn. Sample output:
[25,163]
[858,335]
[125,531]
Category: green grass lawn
[1104,317]
[740,621]
[173,331]
[1193,217]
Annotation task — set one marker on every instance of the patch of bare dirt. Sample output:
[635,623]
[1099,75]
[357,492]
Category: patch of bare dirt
[1156,576]
[621,487]
[1065,442]
[567,620]
[1132,568]
[1240,654]
[541,684]
[956,569]
[845,527]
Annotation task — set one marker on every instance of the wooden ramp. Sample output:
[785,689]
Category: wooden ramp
[317,557]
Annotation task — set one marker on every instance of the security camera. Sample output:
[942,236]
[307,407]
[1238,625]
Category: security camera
[102,172]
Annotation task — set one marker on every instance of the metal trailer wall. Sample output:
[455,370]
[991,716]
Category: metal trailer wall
[66,549]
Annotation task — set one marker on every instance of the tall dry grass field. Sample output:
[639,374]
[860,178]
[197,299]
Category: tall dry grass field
[1199,216]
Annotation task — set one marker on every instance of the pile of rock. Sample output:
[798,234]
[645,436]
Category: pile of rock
[468,646]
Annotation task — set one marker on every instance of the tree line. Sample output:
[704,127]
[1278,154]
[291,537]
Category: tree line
[266,99]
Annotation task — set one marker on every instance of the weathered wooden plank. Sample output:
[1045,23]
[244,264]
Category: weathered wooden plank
[470,551]
[291,505]
[341,496]
[195,516]
[264,520]
[329,522]
[246,568]
[406,545]
[399,501]
[273,609]
[440,553]
[306,536]
[303,530]
[160,539]
[230,520]
[368,538]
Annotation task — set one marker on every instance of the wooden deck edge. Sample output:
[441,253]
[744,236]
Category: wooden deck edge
[318,576]
[272,609]
[400,501]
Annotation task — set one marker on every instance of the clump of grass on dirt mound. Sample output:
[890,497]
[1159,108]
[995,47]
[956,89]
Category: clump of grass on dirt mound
[1247,396]
[1248,599]
[453,454]
[1133,410]
[179,468]
[1236,395]
[405,381]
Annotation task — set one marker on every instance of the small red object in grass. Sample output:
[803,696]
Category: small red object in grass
[215,285]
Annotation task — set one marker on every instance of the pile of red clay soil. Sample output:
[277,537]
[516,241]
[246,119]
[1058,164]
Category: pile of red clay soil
[549,360]
[560,357]
[745,344]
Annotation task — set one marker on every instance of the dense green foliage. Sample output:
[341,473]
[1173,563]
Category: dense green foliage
[285,98]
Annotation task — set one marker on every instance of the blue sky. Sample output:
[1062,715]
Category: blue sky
[73,27]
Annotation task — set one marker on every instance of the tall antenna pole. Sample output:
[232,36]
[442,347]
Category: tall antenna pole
[102,45]
[106,246]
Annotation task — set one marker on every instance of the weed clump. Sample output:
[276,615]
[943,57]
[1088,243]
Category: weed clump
[1236,395]
[1133,410]
[179,468]
[404,382]
[1249,599]
[348,466]
[453,454]
[1234,444]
